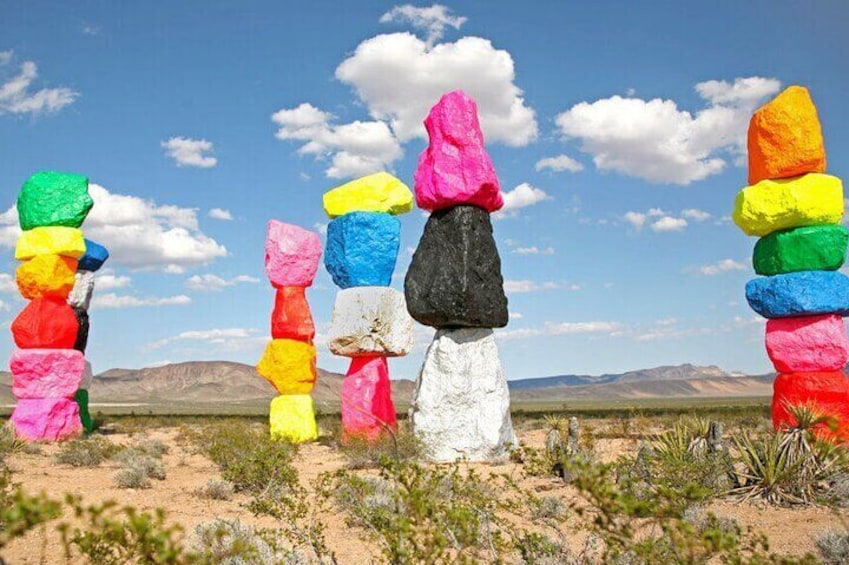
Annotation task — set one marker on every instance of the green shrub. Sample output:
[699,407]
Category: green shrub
[89,452]
[215,489]
[229,542]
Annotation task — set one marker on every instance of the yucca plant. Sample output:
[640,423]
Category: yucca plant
[767,472]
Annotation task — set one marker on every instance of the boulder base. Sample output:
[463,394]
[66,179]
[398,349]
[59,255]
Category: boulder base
[461,407]
[380,192]
[369,321]
[94,258]
[46,323]
[46,275]
[291,254]
[367,408]
[291,317]
[806,293]
[809,248]
[362,248]
[46,419]
[51,198]
[46,373]
[80,296]
[809,343]
[289,365]
[292,418]
[455,277]
[828,392]
[53,240]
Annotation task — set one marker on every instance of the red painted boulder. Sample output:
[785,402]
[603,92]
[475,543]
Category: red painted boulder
[826,391]
[46,373]
[291,318]
[807,343]
[46,323]
[367,407]
[46,419]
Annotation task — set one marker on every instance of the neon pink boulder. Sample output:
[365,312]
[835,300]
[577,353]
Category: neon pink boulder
[367,407]
[455,168]
[46,419]
[808,343]
[291,254]
[46,373]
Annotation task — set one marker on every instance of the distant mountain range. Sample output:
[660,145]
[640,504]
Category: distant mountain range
[216,385]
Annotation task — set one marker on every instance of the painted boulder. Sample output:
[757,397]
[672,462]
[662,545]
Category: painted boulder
[292,418]
[291,317]
[51,198]
[46,373]
[807,293]
[808,248]
[808,343]
[827,393]
[380,192]
[46,323]
[362,248]
[46,275]
[46,419]
[94,258]
[291,254]
[289,366]
[369,321]
[367,408]
[53,240]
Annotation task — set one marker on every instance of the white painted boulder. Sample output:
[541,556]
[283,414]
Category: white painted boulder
[369,321]
[80,296]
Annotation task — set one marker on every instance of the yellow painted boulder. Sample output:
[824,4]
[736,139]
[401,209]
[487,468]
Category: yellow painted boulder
[785,137]
[289,365]
[50,240]
[292,418]
[771,205]
[46,275]
[380,192]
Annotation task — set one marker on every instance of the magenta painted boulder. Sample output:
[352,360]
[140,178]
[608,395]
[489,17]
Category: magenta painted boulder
[807,343]
[455,168]
[46,419]
[46,373]
[291,254]
[367,408]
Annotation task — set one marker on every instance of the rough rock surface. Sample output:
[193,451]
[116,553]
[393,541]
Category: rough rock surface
[369,321]
[827,391]
[289,366]
[45,323]
[80,296]
[94,258]
[785,137]
[291,317]
[367,408]
[291,254]
[461,407]
[46,275]
[54,240]
[455,168]
[772,205]
[81,398]
[380,192]
[455,277]
[46,419]
[46,373]
[808,343]
[88,376]
[809,248]
[362,248]
[82,329]
[292,418]
[51,198]
[806,293]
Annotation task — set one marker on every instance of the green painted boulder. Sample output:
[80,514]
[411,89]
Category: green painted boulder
[809,248]
[49,198]
[85,416]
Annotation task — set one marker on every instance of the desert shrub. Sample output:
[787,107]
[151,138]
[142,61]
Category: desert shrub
[131,477]
[229,542]
[216,489]
[401,446]
[152,447]
[549,508]
[833,547]
[8,442]
[89,452]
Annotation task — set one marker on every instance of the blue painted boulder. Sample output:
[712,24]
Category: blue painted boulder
[94,258]
[806,293]
[362,248]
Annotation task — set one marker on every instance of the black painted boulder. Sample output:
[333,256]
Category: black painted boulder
[82,332]
[455,277]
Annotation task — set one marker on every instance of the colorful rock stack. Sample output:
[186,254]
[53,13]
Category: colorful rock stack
[461,407]
[48,366]
[796,211]
[370,320]
[291,262]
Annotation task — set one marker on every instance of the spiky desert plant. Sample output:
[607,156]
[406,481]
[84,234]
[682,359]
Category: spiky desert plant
[799,439]
[767,472]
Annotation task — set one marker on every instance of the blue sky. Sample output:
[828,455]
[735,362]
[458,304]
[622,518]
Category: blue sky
[615,132]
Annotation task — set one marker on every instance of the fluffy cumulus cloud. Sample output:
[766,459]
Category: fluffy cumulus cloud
[221,214]
[656,141]
[188,152]
[522,196]
[115,301]
[18,96]
[660,221]
[696,214]
[668,224]
[559,164]
[433,20]
[111,281]
[214,283]
[723,266]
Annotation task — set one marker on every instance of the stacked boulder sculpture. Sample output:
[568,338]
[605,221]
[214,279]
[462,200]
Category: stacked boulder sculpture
[370,321]
[461,407]
[48,367]
[291,262]
[796,211]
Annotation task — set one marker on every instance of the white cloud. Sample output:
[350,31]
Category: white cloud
[522,196]
[110,281]
[534,250]
[190,152]
[399,78]
[114,301]
[17,96]
[516,315]
[668,223]
[354,149]
[433,19]
[696,214]
[523,286]
[655,141]
[220,214]
[563,328]
[636,219]
[7,284]
[559,164]
[218,337]
[214,283]
[320,227]
[723,266]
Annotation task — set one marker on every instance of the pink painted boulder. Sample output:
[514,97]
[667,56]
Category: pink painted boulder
[367,399]
[46,373]
[808,343]
[455,168]
[46,419]
[291,254]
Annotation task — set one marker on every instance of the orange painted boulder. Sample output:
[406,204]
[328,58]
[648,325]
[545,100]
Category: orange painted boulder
[289,365]
[46,275]
[826,391]
[785,137]
[291,318]
[46,323]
